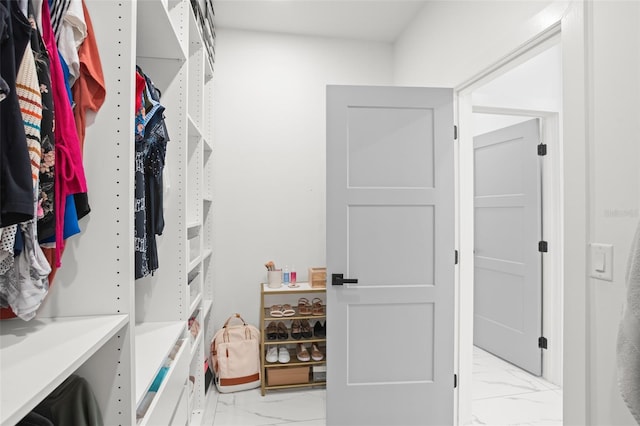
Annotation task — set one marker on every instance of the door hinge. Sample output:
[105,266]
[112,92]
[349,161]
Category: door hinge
[542,342]
[455,133]
[456,258]
[543,247]
[455,381]
[542,149]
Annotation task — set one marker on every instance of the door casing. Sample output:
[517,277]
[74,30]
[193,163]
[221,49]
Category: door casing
[566,21]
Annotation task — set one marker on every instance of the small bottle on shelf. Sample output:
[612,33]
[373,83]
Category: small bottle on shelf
[285,275]
[293,277]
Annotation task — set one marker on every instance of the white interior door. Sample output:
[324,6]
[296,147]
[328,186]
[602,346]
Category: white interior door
[508,227]
[390,225]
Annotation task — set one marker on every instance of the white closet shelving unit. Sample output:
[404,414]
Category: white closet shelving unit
[97,321]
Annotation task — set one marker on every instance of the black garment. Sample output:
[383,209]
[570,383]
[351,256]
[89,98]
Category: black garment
[16,186]
[151,148]
[47,223]
[35,419]
[71,403]
[81,201]
[4,89]
[141,260]
[156,137]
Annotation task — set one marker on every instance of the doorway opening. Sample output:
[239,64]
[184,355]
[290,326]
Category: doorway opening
[529,87]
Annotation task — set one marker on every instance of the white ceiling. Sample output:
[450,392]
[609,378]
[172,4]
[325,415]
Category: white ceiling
[377,20]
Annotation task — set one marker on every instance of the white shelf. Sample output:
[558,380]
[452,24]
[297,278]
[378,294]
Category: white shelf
[195,37]
[191,226]
[195,304]
[207,145]
[154,341]
[196,343]
[208,71]
[194,129]
[206,254]
[206,307]
[302,286]
[194,264]
[156,37]
[38,355]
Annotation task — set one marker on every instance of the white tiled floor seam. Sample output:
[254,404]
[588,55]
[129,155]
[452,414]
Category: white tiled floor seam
[502,395]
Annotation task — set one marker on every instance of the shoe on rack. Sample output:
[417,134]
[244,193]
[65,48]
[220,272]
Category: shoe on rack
[296,329]
[318,330]
[272,354]
[272,331]
[317,308]
[304,307]
[316,355]
[283,333]
[301,353]
[283,355]
[287,310]
[306,329]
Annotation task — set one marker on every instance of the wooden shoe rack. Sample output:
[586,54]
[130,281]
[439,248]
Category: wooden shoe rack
[295,373]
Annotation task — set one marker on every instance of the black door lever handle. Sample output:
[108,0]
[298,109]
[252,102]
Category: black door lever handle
[338,279]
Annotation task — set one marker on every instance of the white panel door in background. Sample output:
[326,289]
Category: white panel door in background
[390,226]
[508,227]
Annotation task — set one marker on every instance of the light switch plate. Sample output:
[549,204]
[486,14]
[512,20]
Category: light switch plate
[601,262]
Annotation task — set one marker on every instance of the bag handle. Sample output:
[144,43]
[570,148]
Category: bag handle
[236,315]
[225,334]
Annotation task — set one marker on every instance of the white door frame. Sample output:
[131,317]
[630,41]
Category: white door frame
[552,275]
[567,21]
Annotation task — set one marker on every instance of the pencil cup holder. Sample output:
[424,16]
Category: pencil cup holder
[274,278]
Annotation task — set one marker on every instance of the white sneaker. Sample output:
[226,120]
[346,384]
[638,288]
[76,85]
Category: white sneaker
[272,354]
[283,355]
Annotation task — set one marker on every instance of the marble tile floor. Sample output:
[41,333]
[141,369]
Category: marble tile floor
[291,407]
[502,395]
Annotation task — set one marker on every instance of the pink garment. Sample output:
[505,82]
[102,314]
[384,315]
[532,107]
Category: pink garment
[69,177]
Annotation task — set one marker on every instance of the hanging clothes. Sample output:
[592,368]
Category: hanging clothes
[15,176]
[54,151]
[70,34]
[7,243]
[20,34]
[24,285]
[4,89]
[71,226]
[45,199]
[70,178]
[46,212]
[88,90]
[151,142]
[88,93]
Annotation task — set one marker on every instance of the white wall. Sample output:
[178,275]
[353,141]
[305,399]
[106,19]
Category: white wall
[269,153]
[614,188]
[449,40]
